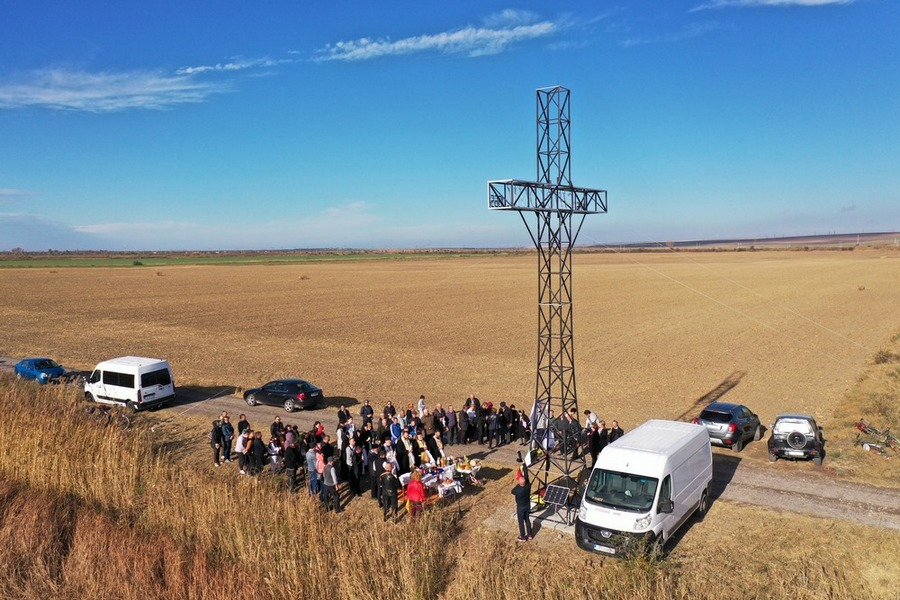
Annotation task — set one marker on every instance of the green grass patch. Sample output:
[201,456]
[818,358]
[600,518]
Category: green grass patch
[131,260]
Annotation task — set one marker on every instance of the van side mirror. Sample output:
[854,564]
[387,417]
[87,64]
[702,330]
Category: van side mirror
[666,506]
[95,377]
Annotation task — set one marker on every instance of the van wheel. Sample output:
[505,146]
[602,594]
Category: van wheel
[132,407]
[251,400]
[289,405]
[738,444]
[657,547]
[757,435]
[817,460]
[773,457]
[89,397]
[703,506]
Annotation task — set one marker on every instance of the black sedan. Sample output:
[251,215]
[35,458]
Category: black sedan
[730,425]
[289,393]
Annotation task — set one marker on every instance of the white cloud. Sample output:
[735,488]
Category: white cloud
[101,92]
[510,17]
[336,226]
[11,195]
[509,27]
[690,31]
[742,3]
[35,233]
[234,64]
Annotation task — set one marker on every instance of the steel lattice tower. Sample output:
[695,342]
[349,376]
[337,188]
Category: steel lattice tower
[559,210]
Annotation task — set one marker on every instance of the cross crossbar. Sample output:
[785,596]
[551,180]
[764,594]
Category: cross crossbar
[514,194]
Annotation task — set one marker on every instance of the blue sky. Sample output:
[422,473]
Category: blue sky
[290,124]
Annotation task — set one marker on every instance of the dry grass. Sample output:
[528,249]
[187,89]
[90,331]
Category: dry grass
[876,398]
[114,515]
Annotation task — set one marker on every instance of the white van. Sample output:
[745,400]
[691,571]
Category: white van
[134,381]
[644,486]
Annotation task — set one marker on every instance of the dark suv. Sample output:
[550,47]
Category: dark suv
[796,436]
[730,425]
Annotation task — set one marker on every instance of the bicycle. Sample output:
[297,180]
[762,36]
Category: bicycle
[106,416]
[878,441]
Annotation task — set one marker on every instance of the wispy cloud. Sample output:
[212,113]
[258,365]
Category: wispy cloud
[691,30]
[8,195]
[100,92]
[235,64]
[498,32]
[334,226]
[744,3]
[36,233]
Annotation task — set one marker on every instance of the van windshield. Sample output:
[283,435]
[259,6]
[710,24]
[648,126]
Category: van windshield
[622,491]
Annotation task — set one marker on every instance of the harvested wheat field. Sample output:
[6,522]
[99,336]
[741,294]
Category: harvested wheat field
[657,335]
[654,333]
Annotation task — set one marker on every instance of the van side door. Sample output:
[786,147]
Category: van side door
[665,507]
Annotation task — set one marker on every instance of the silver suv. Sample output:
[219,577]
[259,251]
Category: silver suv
[730,425]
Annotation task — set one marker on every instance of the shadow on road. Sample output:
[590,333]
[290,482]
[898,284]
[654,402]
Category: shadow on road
[193,393]
[724,467]
[336,401]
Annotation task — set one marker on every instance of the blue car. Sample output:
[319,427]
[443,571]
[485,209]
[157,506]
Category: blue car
[42,370]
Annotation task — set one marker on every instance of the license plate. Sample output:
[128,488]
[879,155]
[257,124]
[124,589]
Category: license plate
[604,549]
[794,453]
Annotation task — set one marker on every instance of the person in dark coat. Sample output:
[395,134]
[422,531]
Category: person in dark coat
[390,489]
[292,461]
[366,413]
[603,432]
[463,436]
[343,414]
[615,432]
[276,429]
[435,447]
[258,453]
[522,492]
[216,440]
[452,431]
[375,473]
[493,427]
[390,411]
[594,442]
[480,425]
[353,461]
[227,438]
[243,424]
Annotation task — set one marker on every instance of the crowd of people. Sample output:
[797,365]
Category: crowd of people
[373,450]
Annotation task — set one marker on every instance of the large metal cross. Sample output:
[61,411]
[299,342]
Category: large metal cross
[556,452]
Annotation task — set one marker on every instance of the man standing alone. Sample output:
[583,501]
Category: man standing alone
[522,492]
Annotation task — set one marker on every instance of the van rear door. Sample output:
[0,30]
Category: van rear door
[155,384]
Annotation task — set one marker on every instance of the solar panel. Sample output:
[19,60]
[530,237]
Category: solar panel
[556,494]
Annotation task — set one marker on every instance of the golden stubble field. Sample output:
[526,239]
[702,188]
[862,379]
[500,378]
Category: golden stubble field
[654,333]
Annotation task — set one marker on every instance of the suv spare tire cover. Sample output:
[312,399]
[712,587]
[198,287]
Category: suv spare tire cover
[796,440]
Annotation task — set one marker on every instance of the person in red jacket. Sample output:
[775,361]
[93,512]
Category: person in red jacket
[415,493]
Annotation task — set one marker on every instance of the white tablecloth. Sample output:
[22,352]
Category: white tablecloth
[431,480]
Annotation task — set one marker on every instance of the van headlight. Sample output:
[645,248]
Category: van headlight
[582,513]
[643,522]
